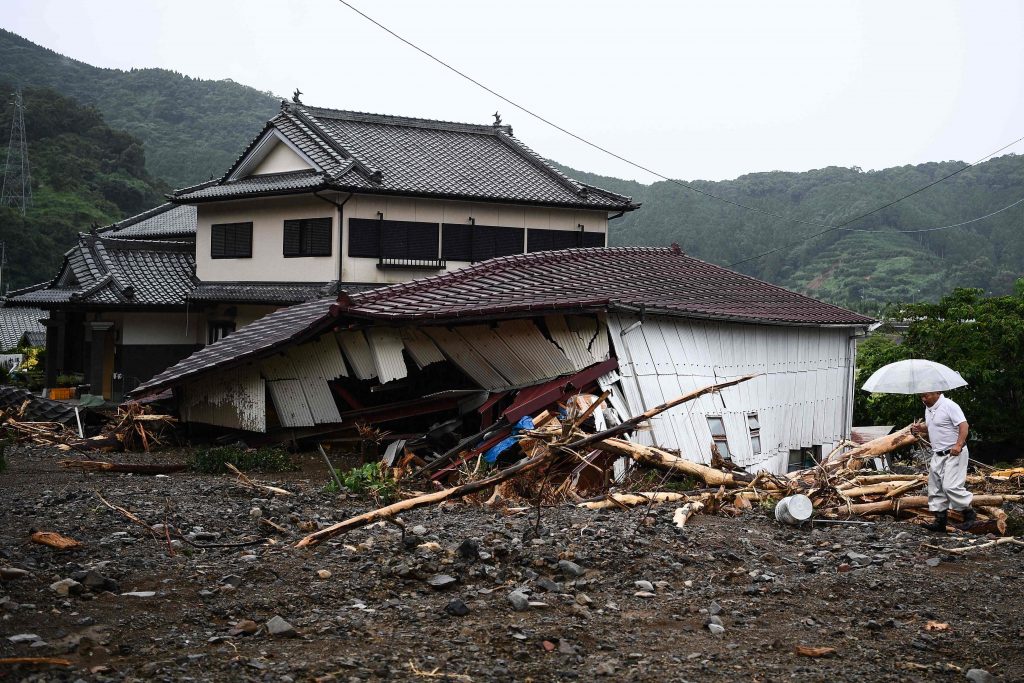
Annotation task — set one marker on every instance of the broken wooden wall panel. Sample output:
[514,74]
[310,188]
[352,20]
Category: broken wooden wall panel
[234,399]
[386,350]
[290,403]
[467,358]
[357,353]
[421,348]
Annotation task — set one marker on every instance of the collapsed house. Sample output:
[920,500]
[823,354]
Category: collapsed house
[461,357]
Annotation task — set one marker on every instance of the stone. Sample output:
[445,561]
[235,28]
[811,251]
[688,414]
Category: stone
[571,569]
[520,602]
[12,573]
[548,585]
[644,586]
[857,559]
[139,594]
[66,587]
[469,549]
[714,608]
[244,627]
[419,530]
[233,580]
[980,676]
[324,573]
[23,638]
[714,620]
[457,608]
[255,513]
[935,562]
[716,629]
[277,626]
[442,581]
[645,594]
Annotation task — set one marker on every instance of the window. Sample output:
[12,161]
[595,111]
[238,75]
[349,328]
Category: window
[307,237]
[218,330]
[802,458]
[717,426]
[754,425]
[377,238]
[231,240]
[479,242]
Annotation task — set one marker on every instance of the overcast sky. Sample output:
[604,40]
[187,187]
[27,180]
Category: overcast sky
[708,90]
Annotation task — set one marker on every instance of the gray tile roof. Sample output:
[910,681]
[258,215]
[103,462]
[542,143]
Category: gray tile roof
[16,322]
[122,273]
[272,292]
[374,153]
[166,220]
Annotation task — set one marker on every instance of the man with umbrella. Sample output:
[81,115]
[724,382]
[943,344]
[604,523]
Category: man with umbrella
[946,428]
[947,431]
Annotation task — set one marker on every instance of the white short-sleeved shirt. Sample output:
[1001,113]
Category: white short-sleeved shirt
[943,420]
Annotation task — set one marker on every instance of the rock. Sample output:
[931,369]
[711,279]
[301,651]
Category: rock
[980,676]
[857,559]
[520,602]
[714,621]
[646,586]
[419,530]
[12,573]
[935,562]
[645,594]
[549,585]
[233,580]
[606,668]
[469,549]
[279,627]
[571,568]
[139,594]
[23,638]
[583,599]
[244,627]
[324,573]
[457,608]
[716,629]
[565,647]
[714,608]
[255,513]
[442,581]
[66,587]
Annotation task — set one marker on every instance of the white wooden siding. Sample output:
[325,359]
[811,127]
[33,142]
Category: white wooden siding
[800,399]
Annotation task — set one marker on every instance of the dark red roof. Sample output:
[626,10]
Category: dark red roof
[654,279]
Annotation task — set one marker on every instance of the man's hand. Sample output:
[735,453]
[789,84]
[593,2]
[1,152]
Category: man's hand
[918,428]
[955,450]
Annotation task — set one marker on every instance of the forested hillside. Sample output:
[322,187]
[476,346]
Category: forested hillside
[83,173]
[192,129]
[870,264]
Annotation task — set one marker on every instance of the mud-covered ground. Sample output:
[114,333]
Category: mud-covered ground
[363,607]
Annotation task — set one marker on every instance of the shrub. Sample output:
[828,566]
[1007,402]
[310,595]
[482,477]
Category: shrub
[214,460]
[373,478]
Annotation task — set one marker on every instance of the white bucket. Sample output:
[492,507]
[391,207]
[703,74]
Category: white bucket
[794,509]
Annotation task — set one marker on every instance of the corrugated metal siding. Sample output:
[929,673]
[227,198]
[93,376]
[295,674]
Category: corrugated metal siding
[455,347]
[492,347]
[327,353]
[534,349]
[321,402]
[290,403]
[386,350]
[572,346]
[800,400]
[357,352]
[420,347]
[236,400]
[278,366]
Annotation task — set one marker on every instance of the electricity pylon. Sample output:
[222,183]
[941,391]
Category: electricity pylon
[17,186]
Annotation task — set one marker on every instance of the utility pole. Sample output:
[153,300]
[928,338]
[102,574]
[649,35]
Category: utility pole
[17,185]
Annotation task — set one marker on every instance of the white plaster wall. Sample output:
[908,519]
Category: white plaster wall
[431,210]
[141,329]
[268,262]
[280,159]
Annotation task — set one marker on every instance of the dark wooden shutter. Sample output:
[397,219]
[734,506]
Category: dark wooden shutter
[231,240]
[593,239]
[292,238]
[317,237]
[508,241]
[422,241]
[364,237]
[538,240]
[457,242]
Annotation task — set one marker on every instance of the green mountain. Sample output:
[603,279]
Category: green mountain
[192,129]
[864,267]
[83,173]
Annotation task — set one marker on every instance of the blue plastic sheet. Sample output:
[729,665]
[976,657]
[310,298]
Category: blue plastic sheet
[491,454]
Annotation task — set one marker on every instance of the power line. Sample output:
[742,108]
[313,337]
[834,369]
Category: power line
[828,226]
[942,227]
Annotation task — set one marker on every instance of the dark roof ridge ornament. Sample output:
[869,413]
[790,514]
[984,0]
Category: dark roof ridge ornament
[497,119]
[676,249]
[296,95]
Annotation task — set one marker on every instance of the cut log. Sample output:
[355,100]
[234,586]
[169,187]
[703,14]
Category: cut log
[131,468]
[655,457]
[884,444]
[911,502]
[681,515]
[616,500]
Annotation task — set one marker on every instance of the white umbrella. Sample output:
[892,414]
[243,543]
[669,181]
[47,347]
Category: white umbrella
[914,376]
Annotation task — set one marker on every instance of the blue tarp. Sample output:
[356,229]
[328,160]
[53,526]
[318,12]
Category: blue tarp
[491,454]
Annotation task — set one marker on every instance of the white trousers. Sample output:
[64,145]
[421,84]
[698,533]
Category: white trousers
[947,477]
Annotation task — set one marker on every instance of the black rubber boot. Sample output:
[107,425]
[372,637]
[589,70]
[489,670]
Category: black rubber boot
[939,525]
[970,517]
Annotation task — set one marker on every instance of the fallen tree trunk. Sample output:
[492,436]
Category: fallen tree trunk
[880,446]
[907,502]
[655,457]
[615,500]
